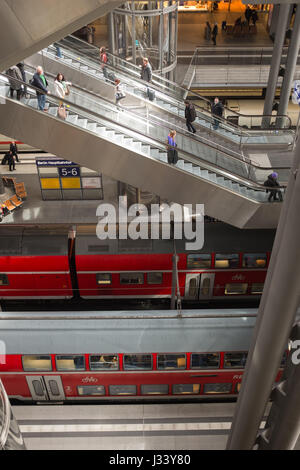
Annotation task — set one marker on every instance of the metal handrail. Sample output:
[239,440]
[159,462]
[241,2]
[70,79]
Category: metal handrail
[162,146]
[198,96]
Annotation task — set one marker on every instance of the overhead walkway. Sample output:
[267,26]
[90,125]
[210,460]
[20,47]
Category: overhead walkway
[28,26]
[101,136]
[235,128]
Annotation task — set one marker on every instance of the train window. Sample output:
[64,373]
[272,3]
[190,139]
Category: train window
[254,260]
[104,362]
[205,361]
[122,389]
[132,278]
[137,361]
[70,362]
[185,389]
[193,287]
[153,389]
[91,390]
[3,280]
[235,360]
[154,278]
[196,260]
[36,363]
[217,388]
[227,261]
[236,288]
[103,279]
[257,288]
[171,361]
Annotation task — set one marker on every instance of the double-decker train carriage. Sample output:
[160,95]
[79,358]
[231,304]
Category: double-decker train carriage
[125,355]
[34,263]
[232,263]
[59,263]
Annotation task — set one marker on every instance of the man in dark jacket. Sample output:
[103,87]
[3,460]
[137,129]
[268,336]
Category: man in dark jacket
[14,150]
[14,81]
[217,110]
[214,33]
[11,162]
[39,81]
[146,72]
[21,67]
[190,116]
[272,182]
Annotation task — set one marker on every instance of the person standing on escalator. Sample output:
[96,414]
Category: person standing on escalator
[39,81]
[190,116]
[103,61]
[217,111]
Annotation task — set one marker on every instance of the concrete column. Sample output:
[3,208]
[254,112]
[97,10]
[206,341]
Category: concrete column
[277,310]
[111,33]
[290,67]
[276,60]
[283,424]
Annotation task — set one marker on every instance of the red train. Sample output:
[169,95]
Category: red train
[125,355]
[56,263]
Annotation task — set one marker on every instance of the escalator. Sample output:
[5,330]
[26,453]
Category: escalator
[27,27]
[237,129]
[131,148]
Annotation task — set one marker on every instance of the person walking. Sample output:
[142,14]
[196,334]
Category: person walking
[15,78]
[214,34]
[254,17]
[190,116]
[14,149]
[216,110]
[58,50]
[39,81]
[272,182]
[207,31]
[171,148]
[248,14]
[11,161]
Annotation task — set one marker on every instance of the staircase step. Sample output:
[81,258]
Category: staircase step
[82,123]
[92,126]
[188,167]
[196,170]
[180,164]
[72,118]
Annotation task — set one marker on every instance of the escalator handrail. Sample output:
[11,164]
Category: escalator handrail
[157,143]
[206,100]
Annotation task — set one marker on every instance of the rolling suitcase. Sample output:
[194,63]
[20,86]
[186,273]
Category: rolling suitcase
[151,94]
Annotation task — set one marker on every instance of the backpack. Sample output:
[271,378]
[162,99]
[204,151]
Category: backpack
[193,114]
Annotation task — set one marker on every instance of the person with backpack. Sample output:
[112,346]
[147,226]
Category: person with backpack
[15,78]
[190,116]
[216,110]
[272,182]
[171,148]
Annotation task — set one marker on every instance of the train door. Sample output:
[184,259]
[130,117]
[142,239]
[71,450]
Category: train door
[45,388]
[199,286]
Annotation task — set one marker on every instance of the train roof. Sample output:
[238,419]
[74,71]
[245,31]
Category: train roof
[218,237]
[127,331]
[19,241]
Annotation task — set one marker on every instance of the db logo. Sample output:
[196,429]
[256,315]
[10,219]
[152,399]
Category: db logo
[87,380]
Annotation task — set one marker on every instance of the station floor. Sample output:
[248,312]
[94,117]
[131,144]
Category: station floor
[185,426]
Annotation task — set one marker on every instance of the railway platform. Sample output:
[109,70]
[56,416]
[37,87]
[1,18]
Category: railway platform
[188,426]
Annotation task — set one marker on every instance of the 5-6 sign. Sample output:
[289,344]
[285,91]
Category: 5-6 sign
[69,171]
